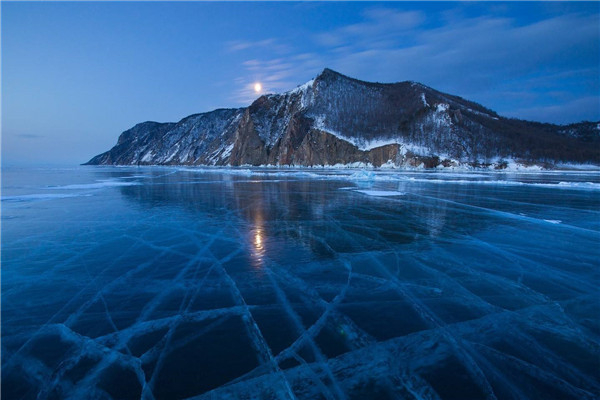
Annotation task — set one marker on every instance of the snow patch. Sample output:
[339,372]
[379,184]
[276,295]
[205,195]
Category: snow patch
[98,185]
[41,196]
[352,165]
[559,185]
[148,156]
[441,107]
[227,152]
[301,88]
[367,145]
[173,153]
[512,165]
[380,193]
[577,167]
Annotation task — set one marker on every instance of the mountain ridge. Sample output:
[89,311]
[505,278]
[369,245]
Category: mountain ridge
[335,119]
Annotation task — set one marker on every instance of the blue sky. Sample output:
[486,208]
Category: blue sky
[75,75]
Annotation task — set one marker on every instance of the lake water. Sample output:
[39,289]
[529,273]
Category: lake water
[170,283]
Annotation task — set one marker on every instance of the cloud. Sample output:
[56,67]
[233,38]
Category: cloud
[476,53]
[562,113]
[29,136]
[244,45]
[274,75]
[475,57]
[379,26]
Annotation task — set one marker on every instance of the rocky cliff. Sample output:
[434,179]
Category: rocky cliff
[334,119]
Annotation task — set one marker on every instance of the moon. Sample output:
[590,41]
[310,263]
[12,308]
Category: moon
[257,87]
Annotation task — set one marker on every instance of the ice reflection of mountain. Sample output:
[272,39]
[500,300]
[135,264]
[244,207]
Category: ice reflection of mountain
[299,209]
[166,283]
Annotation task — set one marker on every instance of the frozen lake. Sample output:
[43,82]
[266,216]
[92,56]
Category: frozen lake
[172,283]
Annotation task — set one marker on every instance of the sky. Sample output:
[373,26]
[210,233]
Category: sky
[75,75]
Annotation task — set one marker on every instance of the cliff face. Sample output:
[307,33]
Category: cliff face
[335,119]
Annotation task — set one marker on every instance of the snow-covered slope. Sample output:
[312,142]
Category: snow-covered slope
[334,119]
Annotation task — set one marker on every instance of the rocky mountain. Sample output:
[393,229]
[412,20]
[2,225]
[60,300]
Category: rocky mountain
[334,119]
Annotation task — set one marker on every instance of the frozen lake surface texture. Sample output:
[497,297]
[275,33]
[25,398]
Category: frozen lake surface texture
[178,283]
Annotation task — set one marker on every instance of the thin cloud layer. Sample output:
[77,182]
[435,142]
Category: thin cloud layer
[478,57]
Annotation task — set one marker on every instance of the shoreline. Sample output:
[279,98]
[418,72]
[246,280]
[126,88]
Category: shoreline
[516,168]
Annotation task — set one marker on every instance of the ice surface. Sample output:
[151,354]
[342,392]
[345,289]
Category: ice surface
[380,193]
[40,196]
[96,185]
[205,283]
